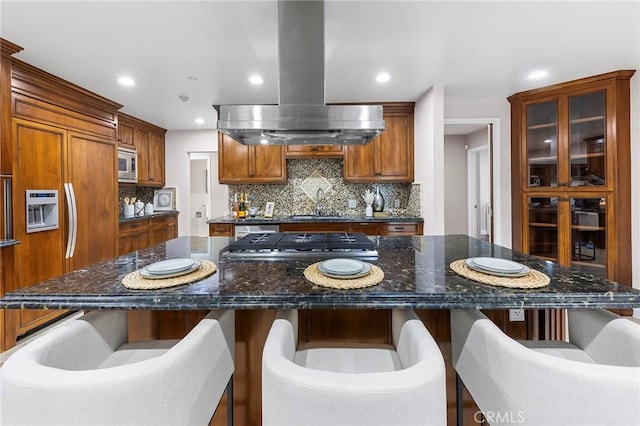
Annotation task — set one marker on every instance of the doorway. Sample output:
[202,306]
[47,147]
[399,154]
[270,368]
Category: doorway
[207,198]
[469,177]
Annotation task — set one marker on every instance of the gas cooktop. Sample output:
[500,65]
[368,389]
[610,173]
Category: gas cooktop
[301,244]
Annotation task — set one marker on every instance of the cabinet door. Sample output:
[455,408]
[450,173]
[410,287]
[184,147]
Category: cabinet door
[239,163]
[394,150]
[269,164]
[390,156]
[156,171]
[233,160]
[91,168]
[359,162]
[587,139]
[125,135]
[142,146]
[39,156]
[542,143]
[571,231]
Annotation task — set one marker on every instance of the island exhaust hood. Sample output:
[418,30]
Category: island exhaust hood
[301,116]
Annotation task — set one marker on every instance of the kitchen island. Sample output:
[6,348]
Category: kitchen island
[416,268]
[417,275]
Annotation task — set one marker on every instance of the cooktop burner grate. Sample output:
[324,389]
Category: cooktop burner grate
[282,245]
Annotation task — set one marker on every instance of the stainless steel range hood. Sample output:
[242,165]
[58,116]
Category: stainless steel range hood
[301,116]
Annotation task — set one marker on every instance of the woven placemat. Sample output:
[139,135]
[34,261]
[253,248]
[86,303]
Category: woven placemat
[534,279]
[315,276]
[135,281]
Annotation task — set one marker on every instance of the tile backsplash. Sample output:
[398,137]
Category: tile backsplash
[305,176]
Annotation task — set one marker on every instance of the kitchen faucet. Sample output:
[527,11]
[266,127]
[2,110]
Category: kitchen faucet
[319,197]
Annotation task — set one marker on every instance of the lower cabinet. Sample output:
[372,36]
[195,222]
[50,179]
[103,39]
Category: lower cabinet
[140,234]
[145,325]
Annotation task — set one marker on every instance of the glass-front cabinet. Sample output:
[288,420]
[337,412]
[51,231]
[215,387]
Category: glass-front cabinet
[571,174]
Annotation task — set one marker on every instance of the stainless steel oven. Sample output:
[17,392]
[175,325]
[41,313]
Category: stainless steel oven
[127,165]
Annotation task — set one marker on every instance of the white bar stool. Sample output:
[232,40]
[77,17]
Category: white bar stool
[403,384]
[593,379]
[85,373]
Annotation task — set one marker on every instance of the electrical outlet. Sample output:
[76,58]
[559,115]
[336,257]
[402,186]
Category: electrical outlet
[516,314]
[353,204]
[396,203]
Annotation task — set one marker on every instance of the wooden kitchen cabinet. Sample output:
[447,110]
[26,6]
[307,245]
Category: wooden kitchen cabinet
[389,157]
[221,230]
[125,135]
[239,163]
[144,232]
[559,134]
[148,141]
[133,236]
[314,151]
[162,229]
[402,228]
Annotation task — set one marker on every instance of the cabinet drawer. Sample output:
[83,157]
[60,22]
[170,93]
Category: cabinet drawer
[133,226]
[368,228]
[220,230]
[162,221]
[401,228]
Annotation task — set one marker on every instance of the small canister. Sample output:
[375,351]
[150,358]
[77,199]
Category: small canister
[139,208]
[148,209]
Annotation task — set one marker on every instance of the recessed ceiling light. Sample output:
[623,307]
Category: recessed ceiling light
[547,141]
[537,74]
[255,79]
[126,81]
[199,120]
[383,77]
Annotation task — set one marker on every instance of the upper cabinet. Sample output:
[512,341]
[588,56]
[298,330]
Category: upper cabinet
[125,134]
[389,157]
[314,151]
[148,141]
[571,173]
[239,163]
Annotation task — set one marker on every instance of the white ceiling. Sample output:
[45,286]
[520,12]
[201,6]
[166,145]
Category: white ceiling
[473,49]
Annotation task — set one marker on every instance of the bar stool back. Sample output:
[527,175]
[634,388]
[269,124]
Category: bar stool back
[85,373]
[402,384]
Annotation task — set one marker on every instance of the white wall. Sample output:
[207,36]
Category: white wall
[178,145]
[429,158]
[455,185]
[496,111]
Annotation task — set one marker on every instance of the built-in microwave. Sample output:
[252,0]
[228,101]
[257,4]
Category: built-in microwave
[127,165]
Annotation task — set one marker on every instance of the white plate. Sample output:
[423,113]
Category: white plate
[154,276]
[495,264]
[524,270]
[169,266]
[366,270]
[342,266]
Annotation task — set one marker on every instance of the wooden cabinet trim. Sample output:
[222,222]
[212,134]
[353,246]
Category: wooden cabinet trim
[38,84]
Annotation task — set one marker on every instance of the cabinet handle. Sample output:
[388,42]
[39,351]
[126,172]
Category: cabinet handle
[73,220]
[398,228]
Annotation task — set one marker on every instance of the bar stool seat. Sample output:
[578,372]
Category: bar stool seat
[86,373]
[399,384]
[592,379]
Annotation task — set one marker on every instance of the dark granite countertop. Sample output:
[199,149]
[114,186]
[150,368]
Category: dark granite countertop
[148,216]
[417,275]
[312,218]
